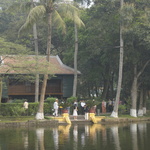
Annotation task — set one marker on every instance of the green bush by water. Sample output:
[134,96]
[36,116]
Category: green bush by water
[16,109]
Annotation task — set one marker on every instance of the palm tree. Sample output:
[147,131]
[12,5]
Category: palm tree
[76,55]
[75,61]
[29,4]
[53,11]
[36,53]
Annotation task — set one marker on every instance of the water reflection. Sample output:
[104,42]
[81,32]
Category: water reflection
[25,139]
[142,128]
[115,135]
[40,138]
[55,137]
[133,129]
[77,137]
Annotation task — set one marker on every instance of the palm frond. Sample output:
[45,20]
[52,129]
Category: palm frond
[34,15]
[58,21]
[67,10]
[78,21]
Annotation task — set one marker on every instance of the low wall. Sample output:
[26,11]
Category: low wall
[123,120]
[30,123]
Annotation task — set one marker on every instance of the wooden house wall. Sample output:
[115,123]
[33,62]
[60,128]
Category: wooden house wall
[60,86]
[68,85]
[27,88]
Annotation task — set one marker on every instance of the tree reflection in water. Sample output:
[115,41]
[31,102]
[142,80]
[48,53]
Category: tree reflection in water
[133,129]
[115,134]
[77,137]
[40,138]
[25,139]
[55,137]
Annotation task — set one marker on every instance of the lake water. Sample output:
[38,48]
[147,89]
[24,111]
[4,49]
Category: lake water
[134,136]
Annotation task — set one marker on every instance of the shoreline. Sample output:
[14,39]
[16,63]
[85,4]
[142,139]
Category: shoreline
[54,122]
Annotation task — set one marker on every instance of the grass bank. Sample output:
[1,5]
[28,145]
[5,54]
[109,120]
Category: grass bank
[16,119]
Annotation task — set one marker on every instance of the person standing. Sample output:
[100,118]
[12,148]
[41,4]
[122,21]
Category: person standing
[55,106]
[82,107]
[75,103]
[86,111]
[110,105]
[75,113]
[60,108]
[25,105]
[103,106]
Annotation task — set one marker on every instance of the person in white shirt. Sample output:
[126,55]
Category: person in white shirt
[55,106]
[25,104]
[82,107]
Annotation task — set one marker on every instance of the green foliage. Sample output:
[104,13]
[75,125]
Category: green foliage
[49,105]
[50,100]
[32,108]
[48,108]
[71,99]
[91,103]
[98,44]
[65,104]
[11,48]
[16,109]
[18,100]
[122,109]
[127,13]
[11,109]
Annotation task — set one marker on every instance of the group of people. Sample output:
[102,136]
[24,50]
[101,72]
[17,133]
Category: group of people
[83,107]
[107,106]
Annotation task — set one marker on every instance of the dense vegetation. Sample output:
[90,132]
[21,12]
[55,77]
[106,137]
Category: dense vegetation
[98,41]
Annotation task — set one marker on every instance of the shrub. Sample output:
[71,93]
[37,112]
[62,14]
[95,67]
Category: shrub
[16,109]
[49,105]
[50,100]
[91,103]
[11,109]
[18,100]
[122,108]
[71,99]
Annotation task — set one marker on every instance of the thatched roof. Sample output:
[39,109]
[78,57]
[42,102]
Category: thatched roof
[15,64]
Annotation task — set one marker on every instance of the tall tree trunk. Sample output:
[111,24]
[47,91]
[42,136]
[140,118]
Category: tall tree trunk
[115,111]
[145,93]
[75,61]
[112,86]
[134,88]
[40,113]
[36,53]
[140,110]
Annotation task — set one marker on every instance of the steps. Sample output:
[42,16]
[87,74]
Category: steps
[80,120]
